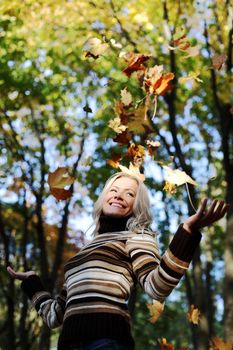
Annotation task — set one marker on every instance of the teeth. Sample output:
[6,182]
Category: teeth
[116,205]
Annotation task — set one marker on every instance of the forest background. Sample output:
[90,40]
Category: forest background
[62,80]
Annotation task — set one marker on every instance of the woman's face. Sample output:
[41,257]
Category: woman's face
[120,197]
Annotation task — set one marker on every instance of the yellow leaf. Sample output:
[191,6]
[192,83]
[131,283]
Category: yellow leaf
[164,345]
[133,171]
[156,309]
[116,125]
[193,315]
[177,177]
[126,97]
[192,51]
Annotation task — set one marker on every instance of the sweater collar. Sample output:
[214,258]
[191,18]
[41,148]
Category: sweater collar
[112,223]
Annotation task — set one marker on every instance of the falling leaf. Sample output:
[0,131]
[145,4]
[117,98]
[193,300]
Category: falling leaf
[133,171]
[219,344]
[116,125]
[193,315]
[156,309]
[123,138]
[58,180]
[191,76]
[139,122]
[152,147]
[137,153]
[156,82]
[177,177]
[126,97]
[164,345]
[114,161]
[134,61]
[94,47]
[218,61]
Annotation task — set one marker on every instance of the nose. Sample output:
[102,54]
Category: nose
[118,196]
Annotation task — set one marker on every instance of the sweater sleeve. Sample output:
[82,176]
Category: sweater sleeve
[50,309]
[157,275]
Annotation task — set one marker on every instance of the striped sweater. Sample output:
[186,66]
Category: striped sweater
[100,278]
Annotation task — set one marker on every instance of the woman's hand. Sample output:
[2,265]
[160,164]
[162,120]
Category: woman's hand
[19,275]
[204,217]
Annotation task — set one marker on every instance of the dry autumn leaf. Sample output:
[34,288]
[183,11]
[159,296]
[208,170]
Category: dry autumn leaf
[164,345]
[57,181]
[139,122]
[157,83]
[126,97]
[123,138]
[94,47]
[193,315]
[152,147]
[177,177]
[134,61]
[114,161]
[116,125]
[170,188]
[156,309]
[218,61]
[136,153]
[133,171]
[219,344]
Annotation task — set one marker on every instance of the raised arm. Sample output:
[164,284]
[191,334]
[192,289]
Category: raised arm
[50,309]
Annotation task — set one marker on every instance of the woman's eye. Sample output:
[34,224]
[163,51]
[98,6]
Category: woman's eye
[130,194]
[113,190]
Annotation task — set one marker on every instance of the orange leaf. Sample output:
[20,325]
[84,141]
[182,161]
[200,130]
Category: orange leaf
[114,161]
[219,344]
[218,61]
[164,84]
[156,309]
[58,180]
[193,315]
[164,345]
[134,61]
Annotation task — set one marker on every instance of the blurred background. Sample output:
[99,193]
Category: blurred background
[57,97]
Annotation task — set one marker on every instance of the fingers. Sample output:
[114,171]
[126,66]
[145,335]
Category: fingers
[202,208]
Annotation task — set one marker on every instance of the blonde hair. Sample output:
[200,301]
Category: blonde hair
[141,217]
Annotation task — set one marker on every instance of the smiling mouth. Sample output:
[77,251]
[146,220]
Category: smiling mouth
[117,205]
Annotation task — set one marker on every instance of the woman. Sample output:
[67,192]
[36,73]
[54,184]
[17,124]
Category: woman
[92,306]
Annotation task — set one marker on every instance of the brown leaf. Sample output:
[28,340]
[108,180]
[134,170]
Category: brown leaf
[136,153]
[58,180]
[193,315]
[134,61]
[219,344]
[60,194]
[156,309]
[156,82]
[164,345]
[116,125]
[123,138]
[218,61]
[152,147]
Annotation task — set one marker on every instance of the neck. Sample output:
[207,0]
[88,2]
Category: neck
[112,223]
